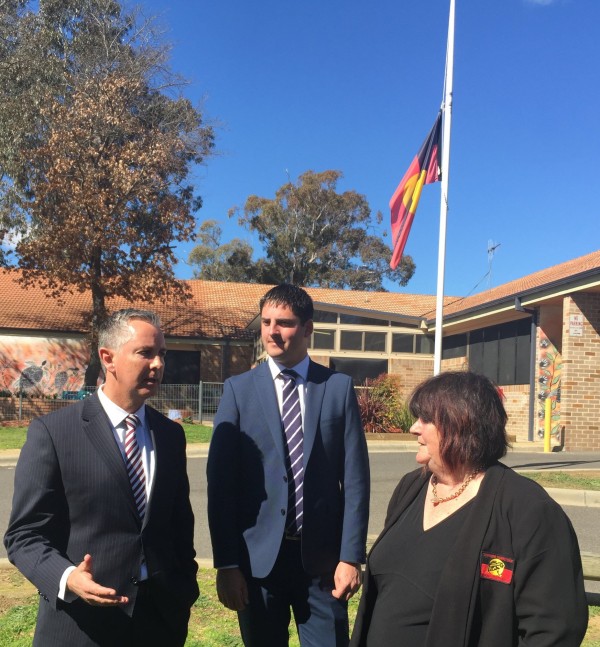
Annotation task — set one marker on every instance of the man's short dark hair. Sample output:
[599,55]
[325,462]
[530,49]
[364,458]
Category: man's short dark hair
[292,296]
[468,412]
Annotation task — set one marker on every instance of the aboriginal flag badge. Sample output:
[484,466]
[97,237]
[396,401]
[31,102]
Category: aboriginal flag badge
[497,568]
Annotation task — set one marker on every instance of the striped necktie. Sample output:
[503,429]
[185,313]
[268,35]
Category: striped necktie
[135,465]
[291,417]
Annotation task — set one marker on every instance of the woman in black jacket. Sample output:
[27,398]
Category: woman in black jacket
[471,554]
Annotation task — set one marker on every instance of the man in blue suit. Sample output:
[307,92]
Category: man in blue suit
[288,487]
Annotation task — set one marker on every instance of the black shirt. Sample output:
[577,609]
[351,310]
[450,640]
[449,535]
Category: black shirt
[406,566]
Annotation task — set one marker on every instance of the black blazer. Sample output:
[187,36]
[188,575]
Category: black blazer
[72,496]
[514,519]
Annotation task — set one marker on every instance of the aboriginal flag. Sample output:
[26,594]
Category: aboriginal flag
[425,169]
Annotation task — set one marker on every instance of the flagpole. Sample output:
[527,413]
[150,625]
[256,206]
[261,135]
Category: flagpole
[439,308]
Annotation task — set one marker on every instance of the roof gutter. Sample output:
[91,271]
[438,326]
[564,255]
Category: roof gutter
[522,296]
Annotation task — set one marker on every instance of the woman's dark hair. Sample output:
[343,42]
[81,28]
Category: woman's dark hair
[291,296]
[469,415]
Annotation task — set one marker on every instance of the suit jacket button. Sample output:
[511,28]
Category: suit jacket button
[282,511]
[285,479]
[134,580]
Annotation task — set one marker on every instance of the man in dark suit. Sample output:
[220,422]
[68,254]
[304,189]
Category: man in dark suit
[101,520]
[288,487]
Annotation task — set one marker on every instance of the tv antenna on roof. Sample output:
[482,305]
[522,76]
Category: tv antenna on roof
[491,248]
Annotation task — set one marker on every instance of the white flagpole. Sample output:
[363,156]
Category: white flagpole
[439,307]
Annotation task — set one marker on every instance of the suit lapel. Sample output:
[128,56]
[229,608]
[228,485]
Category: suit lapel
[98,429]
[265,394]
[313,399]
[156,439]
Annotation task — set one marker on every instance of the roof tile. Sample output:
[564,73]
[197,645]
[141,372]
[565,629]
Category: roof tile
[216,309]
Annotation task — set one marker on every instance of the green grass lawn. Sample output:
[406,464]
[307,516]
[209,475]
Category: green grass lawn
[14,437]
[570,480]
[197,433]
[211,625]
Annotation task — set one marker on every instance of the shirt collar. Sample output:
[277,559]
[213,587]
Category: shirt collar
[301,368]
[115,414]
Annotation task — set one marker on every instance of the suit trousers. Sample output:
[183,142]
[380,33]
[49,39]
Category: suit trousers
[321,619]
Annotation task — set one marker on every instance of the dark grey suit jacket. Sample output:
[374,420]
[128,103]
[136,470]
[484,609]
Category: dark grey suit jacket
[72,496]
[247,487]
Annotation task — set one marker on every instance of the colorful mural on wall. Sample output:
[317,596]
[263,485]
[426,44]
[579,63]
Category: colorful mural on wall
[549,373]
[41,366]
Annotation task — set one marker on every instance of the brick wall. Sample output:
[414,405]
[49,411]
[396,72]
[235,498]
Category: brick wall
[580,394]
[29,408]
[220,361]
[411,371]
[240,359]
[211,363]
[455,364]
[516,403]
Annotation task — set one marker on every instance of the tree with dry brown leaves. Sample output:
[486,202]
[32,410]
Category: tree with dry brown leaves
[99,190]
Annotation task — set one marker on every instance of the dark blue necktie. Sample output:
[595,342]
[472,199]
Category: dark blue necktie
[291,416]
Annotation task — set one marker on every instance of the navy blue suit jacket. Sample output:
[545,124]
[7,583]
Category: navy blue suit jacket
[73,496]
[247,487]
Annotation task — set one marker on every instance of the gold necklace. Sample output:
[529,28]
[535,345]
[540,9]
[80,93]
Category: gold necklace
[437,500]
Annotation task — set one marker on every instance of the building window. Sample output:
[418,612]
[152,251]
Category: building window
[424,344]
[182,367]
[359,369]
[323,339]
[410,343]
[351,340]
[403,342]
[403,324]
[362,321]
[372,342]
[454,346]
[502,352]
[322,316]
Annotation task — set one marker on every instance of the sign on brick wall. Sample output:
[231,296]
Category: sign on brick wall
[575,325]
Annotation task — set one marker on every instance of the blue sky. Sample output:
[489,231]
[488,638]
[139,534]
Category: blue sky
[355,86]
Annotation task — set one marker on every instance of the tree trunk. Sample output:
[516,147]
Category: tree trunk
[98,315]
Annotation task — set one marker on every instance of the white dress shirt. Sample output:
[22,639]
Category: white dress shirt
[117,416]
[301,381]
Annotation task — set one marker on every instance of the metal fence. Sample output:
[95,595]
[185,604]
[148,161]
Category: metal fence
[190,402]
[196,402]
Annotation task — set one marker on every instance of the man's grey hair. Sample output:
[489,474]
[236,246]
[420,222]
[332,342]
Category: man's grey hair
[115,331]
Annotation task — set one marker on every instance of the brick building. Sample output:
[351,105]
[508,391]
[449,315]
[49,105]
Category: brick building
[537,337]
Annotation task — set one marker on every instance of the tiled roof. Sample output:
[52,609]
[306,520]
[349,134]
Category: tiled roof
[216,310]
[213,310]
[569,271]
[412,305]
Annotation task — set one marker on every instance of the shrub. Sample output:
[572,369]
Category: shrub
[373,411]
[382,408]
